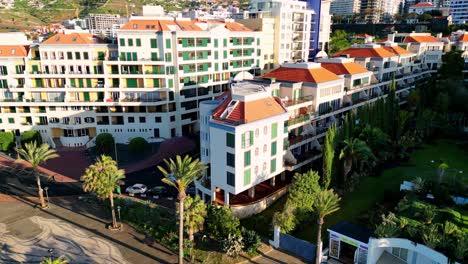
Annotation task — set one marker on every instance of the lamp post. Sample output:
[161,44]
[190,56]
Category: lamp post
[51,252]
[118,211]
[46,189]
[115,150]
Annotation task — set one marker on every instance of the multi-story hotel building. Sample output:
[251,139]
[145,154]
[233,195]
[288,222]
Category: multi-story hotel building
[285,114]
[149,83]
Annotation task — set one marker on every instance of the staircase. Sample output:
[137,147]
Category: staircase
[57,142]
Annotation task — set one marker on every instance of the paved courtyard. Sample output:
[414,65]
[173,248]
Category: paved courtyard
[74,230]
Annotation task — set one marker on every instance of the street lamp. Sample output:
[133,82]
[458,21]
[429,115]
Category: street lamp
[118,211]
[115,150]
[51,252]
[47,195]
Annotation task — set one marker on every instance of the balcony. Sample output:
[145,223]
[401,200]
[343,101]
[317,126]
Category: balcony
[301,100]
[298,119]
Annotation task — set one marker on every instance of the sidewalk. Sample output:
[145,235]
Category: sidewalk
[274,257]
[84,226]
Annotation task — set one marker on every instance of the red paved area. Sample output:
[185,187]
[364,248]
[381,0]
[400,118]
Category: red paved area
[71,163]
[11,163]
[168,149]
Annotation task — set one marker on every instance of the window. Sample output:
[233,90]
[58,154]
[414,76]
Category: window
[122,42]
[172,118]
[247,158]
[272,165]
[77,55]
[131,119]
[157,119]
[142,119]
[230,180]
[401,253]
[11,120]
[168,57]
[216,43]
[225,42]
[138,42]
[70,55]
[130,42]
[230,140]
[247,177]
[168,43]
[85,55]
[273,148]
[274,130]
[247,139]
[230,160]
[154,43]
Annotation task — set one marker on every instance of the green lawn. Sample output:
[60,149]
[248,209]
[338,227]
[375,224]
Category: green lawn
[371,189]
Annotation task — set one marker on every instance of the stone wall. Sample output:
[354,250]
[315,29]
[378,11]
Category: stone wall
[247,210]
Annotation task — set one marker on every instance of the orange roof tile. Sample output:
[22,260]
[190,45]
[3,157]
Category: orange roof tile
[344,68]
[233,26]
[397,50]
[249,111]
[185,25]
[367,52]
[13,51]
[314,75]
[422,5]
[463,38]
[419,39]
[72,38]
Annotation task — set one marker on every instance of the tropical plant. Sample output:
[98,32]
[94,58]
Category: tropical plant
[31,136]
[285,219]
[59,260]
[35,155]
[7,141]
[377,141]
[419,184]
[232,245]
[388,230]
[220,222]
[428,214]
[461,247]
[302,194]
[251,240]
[353,150]
[105,143]
[180,173]
[102,178]
[194,215]
[441,171]
[327,202]
[431,236]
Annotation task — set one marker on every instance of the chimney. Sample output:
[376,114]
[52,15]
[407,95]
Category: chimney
[439,35]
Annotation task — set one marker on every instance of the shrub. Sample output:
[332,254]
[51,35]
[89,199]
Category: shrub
[31,136]
[251,240]
[232,245]
[105,143]
[7,141]
[138,146]
[220,222]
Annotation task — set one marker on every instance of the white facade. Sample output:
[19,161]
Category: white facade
[459,11]
[325,24]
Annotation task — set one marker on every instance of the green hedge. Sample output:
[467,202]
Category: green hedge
[31,136]
[7,141]
[138,146]
[105,143]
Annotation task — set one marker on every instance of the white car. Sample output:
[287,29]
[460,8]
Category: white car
[136,188]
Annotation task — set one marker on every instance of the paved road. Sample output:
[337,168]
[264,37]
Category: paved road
[73,229]
[275,257]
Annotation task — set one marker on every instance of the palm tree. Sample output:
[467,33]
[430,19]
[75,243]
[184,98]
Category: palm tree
[59,260]
[180,174]
[353,150]
[194,215]
[102,178]
[327,202]
[36,155]
[377,140]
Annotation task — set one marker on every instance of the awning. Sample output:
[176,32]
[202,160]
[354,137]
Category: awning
[377,90]
[289,157]
[363,95]
[347,99]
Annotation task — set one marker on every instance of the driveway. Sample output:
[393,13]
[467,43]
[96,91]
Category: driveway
[71,228]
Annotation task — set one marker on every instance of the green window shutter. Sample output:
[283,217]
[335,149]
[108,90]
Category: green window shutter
[72,83]
[134,56]
[247,158]
[85,55]
[80,83]
[234,42]
[274,130]
[225,54]
[171,83]
[186,80]
[132,83]
[205,66]
[273,148]
[184,42]
[95,69]
[100,55]
[35,68]
[185,55]
[69,55]
[216,43]
[168,57]
[122,56]
[86,96]
[216,67]
[216,55]
[154,56]
[122,42]
[88,82]
[205,79]
[243,140]
[138,42]
[205,42]
[273,165]
[168,43]
[251,138]
[258,42]
[230,140]
[78,55]
[130,42]
[247,177]
[234,53]
[129,56]
[154,43]
[225,42]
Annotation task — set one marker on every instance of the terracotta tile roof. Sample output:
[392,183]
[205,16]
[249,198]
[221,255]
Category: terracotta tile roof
[249,111]
[366,53]
[165,25]
[344,68]
[233,26]
[13,51]
[315,75]
[72,38]
[363,36]
[463,38]
[422,5]
[419,39]
[397,50]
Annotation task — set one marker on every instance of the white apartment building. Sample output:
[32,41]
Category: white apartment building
[428,49]
[292,27]
[73,86]
[345,7]
[325,25]
[459,11]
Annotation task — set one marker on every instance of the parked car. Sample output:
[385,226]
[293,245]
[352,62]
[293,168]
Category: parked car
[162,191]
[136,188]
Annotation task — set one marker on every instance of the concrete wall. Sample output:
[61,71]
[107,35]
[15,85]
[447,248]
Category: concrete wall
[244,211]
